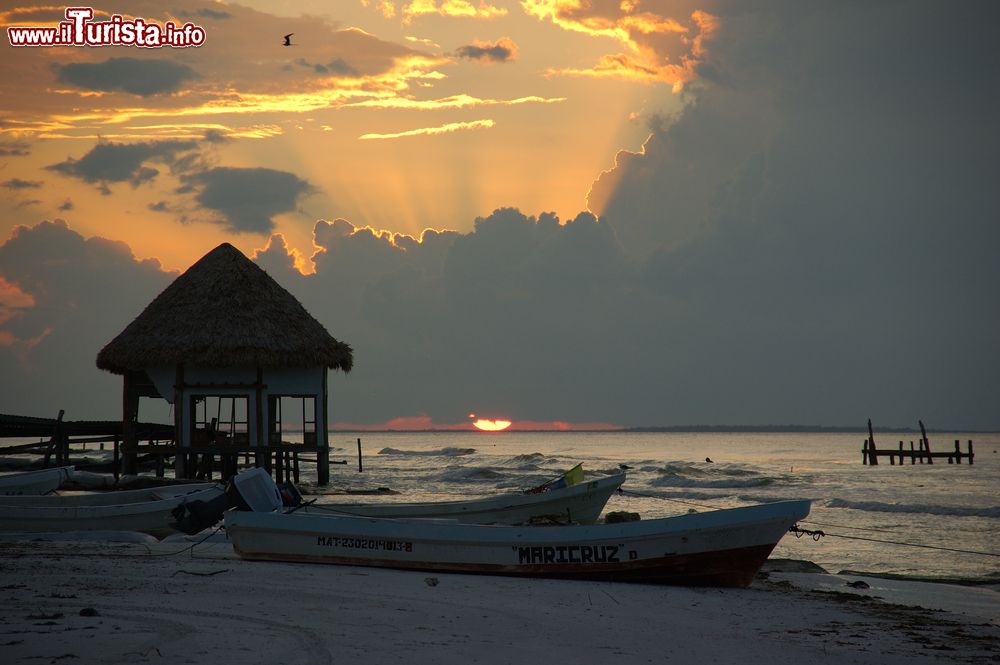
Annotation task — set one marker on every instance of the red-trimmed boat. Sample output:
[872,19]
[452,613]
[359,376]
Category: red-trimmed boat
[717,548]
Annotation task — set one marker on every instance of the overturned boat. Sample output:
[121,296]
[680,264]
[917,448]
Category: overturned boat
[716,548]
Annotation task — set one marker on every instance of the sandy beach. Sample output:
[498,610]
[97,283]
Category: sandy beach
[107,602]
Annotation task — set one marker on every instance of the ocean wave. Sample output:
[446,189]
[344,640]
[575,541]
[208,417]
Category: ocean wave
[926,509]
[469,473]
[526,462]
[441,452]
[530,458]
[701,469]
[677,481]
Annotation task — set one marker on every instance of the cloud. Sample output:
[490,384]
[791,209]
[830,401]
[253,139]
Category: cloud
[787,209]
[247,198]
[502,50]
[235,77]
[65,205]
[337,67]
[452,8]
[18,183]
[123,162]
[13,300]
[14,149]
[205,12]
[69,296]
[810,239]
[453,102]
[432,131]
[143,77]
[659,47]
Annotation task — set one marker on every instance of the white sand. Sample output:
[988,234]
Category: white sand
[153,607]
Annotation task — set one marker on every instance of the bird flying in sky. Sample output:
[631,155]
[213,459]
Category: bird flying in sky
[288,39]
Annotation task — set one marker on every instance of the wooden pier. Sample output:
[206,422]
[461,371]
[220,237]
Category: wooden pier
[64,442]
[922,453]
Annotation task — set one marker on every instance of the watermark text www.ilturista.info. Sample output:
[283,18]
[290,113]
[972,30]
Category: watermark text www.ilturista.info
[79,30]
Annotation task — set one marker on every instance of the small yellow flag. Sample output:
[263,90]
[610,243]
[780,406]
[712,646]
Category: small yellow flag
[574,475]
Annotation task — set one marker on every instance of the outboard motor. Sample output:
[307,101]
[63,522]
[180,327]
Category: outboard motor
[253,489]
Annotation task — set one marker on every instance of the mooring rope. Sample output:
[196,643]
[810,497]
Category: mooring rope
[189,548]
[817,534]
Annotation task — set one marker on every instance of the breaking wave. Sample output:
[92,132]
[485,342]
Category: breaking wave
[441,452]
[677,481]
[926,509]
[466,473]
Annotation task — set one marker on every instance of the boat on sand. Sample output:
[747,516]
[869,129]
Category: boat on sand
[580,503]
[716,548]
[37,482]
[148,510]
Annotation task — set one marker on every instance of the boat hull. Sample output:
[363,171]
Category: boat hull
[718,548]
[38,482]
[581,503]
[152,515]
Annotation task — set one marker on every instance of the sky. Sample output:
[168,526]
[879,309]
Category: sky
[562,213]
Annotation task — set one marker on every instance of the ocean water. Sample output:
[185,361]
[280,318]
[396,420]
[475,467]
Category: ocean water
[926,521]
[904,520]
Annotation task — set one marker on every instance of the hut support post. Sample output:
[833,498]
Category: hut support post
[181,438]
[323,434]
[972,455]
[130,416]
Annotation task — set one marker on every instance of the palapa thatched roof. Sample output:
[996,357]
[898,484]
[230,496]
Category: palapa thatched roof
[224,311]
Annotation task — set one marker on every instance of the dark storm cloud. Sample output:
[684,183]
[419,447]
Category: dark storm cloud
[123,162]
[18,183]
[810,241]
[502,50]
[84,291]
[247,199]
[805,209]
[143,77]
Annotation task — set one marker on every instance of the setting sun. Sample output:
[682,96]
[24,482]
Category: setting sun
[491,425]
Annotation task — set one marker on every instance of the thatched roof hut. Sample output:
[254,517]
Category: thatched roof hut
[224,311]
[225,332]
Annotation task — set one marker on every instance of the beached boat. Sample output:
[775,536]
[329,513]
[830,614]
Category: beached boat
[717,548]
[581,503]
[42,481]
[148,510]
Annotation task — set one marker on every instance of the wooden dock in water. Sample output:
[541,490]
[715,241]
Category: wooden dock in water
[922,453]
[63,443]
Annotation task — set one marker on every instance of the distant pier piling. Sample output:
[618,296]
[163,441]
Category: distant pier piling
[870,453]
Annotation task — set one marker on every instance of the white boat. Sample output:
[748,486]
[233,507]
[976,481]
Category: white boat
[717,548]
[581,503]
[42,481]
[148,510]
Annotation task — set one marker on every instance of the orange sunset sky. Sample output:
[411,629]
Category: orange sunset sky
[559,213]
[400,116]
